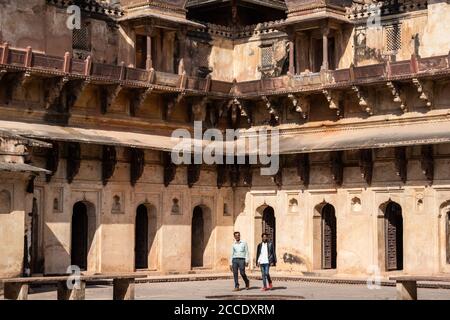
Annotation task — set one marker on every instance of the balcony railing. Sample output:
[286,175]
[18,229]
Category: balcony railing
[26,59]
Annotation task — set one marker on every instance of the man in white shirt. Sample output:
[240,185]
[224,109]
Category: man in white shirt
[266,257]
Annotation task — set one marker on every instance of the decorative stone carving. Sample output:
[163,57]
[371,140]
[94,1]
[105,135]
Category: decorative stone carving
[141,97]
[171,103]
[221,175]
[273,111]
[53,89]
[109,161]
[234,174]
[193,174]
[278,178]
[108,96]
[137,162]
[363,98]
[334,100]
[52,160]
[301,104]
[247,174]
[293,205]
[74,90]
[170,169]
[356,204]
[426,90]
[398,94]
[116,205]
[175,207]
[73,160]
[199,109]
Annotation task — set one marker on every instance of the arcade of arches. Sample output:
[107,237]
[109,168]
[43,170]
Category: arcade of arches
[337,233]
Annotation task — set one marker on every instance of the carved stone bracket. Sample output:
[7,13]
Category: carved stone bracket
[170,169]
[109,161]
[235,174]
[273,110]
[301,104]
[73,160]
[109,95]
[303,168]
[401,163]
[52,160]
[364,100]
[237,109]
[74,90]
[337,167]
[334,100]
[247,174]
[221,175]
[171,103]
[427,162]
[193,174]
[278,178]
[53,90]
[398,94]
[199,109]
[137,163]
[140,98]
[366,165]
[17,80]
[3,73]
[426,90]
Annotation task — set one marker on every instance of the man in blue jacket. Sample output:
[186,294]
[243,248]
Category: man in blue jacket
[266,257]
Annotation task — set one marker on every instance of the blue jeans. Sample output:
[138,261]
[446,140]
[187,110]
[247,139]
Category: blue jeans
[265,274]
[239,264]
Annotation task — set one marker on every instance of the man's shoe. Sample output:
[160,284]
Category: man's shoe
[264,289]
[270,286]
[248,286]
[236,289]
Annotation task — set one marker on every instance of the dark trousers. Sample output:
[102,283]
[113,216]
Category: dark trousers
[239,264]
[265,274]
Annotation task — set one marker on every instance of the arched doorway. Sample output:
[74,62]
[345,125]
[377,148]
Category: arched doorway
[198,237]
[79,243]
[201,246]
[329,239]
[393,236]
[269,225]
[141,246]
[447,236]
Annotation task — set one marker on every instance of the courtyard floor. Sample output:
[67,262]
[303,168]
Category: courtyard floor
[222,289]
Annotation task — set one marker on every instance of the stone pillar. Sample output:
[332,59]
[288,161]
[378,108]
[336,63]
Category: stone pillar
[77,293]
[406,290]
[149,62]
[292,54]
[123,289]
[325,33]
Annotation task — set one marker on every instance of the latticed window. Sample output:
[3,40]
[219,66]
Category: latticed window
[81,39]
[393,37]
[267,56]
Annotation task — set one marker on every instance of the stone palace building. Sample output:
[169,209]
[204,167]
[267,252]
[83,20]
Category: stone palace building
[359,91]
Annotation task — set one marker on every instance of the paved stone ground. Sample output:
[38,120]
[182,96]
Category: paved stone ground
[200,290]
